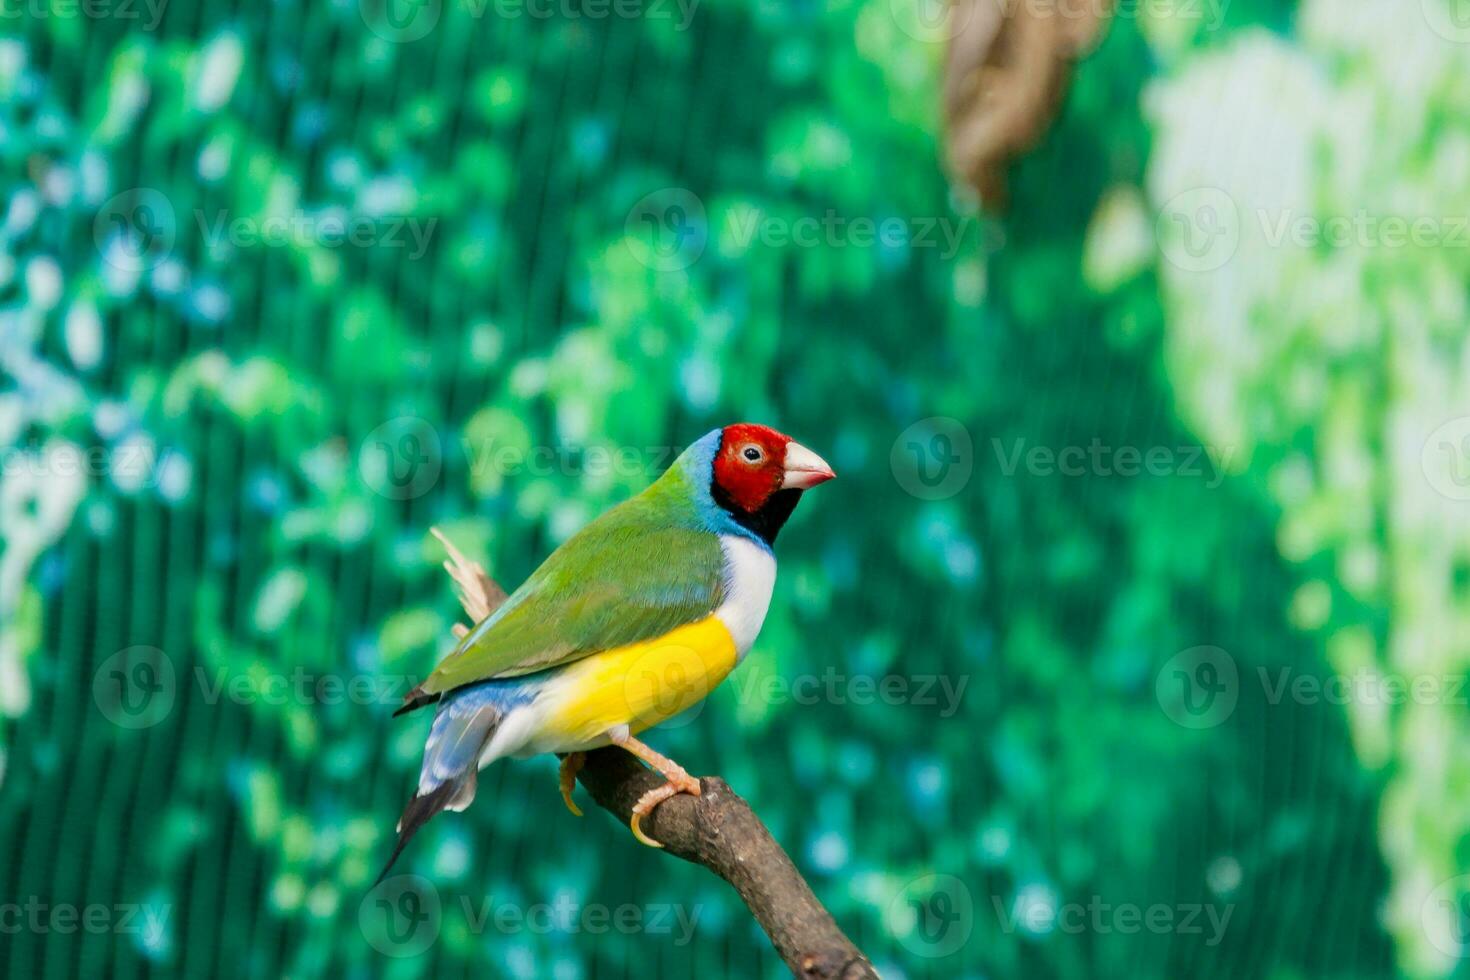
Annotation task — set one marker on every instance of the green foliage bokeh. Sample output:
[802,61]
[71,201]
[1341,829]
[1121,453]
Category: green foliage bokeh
[516,331]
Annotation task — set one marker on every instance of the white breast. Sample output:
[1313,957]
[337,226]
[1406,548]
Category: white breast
[750,575]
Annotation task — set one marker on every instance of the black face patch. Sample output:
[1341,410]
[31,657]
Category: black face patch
[766,521]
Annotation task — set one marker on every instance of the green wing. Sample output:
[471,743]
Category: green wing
[622,579]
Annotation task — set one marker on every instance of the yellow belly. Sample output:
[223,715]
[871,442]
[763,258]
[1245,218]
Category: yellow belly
[638,685]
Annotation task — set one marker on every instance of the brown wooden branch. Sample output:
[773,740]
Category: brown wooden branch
[720,831]
[717,830]
[1007,66]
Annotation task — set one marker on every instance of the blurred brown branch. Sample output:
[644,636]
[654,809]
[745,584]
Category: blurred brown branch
[1007,67]
[717,830]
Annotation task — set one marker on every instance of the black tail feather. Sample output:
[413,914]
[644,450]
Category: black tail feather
[416,699]
[415,815]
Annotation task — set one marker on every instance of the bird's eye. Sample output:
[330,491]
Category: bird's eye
[753,454]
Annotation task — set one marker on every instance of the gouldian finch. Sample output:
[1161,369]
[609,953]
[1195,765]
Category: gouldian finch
[634,619]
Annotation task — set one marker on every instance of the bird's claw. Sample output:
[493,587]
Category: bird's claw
[679,782]
[571,764]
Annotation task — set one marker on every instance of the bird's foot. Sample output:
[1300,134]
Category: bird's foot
[571,764]
[678,782]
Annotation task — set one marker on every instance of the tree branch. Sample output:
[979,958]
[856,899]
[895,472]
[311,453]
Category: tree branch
[1006,69]
[717,830]
[720,831]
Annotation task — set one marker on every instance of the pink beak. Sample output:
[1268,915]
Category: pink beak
[804,468]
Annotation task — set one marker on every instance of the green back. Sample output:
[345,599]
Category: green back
[642,569]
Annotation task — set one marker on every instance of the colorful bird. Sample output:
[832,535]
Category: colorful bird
[634,619]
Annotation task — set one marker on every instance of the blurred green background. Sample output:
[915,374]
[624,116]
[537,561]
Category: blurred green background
[1130,642]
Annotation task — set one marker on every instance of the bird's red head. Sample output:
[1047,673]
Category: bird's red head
[755,462]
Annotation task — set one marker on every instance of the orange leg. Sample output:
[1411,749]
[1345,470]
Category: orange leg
[679,781]
[571,764]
